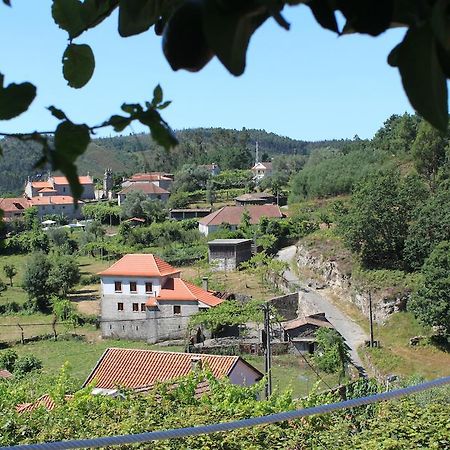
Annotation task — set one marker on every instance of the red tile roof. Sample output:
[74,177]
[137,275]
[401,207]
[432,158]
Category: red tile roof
[5,373]
[178,289]
[233,214]
[14,204]
[45,401]
[266,165]
[53,200]
[134,368]
[147,188]
[153,176]
[63,180]
[41,184]
[292,324]
[140,265]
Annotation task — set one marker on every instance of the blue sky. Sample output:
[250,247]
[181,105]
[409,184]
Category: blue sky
[305,83]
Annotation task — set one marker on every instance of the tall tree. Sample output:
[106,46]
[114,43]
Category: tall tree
[429,151]
[431,302]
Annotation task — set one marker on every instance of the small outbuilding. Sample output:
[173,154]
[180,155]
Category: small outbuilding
[188,213]
[227,254]
[302,331]
[255,198]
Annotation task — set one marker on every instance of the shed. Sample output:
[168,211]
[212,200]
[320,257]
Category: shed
[227,254]
[188,213]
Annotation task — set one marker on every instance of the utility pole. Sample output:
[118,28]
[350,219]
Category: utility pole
[371,319]
[267,349]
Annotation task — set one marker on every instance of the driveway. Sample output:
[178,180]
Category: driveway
[316,301]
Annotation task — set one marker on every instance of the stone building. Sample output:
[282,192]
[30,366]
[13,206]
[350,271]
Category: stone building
[161,179]
[150,190]
[59,186]
[227,254]
[144,298]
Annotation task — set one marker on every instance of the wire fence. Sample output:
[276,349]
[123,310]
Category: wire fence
[229,426]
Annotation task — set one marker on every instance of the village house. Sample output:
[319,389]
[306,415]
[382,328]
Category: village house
[144,298]
[261,170]
[58,204]
[255,198]
[140,370]
[213,169]
[59,186]
[188,213]
[161,179]
[151,191]
[301,332]
[231,216]
[13,208]
[228,254]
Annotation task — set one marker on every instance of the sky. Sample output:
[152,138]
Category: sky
[305,83]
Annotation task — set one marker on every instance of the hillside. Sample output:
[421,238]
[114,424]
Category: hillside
[127,154]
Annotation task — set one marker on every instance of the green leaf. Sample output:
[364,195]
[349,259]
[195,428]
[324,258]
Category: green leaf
[422,76]
[94,12]
[78,65]
[67,15]
[159,129]
[137,16]
[440,23]
[119,123]
[324,14]
[15,99]
[164,105]
[71,141]
[157,95]
[7,2]
[228,34]
[60,115]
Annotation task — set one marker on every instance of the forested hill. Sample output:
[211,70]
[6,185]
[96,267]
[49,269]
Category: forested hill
[127,154]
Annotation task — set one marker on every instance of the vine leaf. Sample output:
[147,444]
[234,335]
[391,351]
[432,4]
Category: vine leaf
[323,12]
[422,76]
[78,65]
[71,141]
[15,98]
[228,34]
[60,115]
[137,16]
[67,15]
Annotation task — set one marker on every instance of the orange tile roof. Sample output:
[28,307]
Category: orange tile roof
[14,204]
[233,214]
[151,301]
[135,368]
[63,180]
[41,184]
[47,189]
[53,200]
[140,265]
[295,323]
[147,188]
[46,401]
[178,289]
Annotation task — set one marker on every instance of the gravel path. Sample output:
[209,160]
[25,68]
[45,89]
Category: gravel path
[353,334]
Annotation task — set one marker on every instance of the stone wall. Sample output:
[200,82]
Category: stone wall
[330,274]
[287,305]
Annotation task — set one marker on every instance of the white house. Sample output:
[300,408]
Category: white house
[143,297]
[59,186]
[57,204]
[261,170]
[141,369]
[151,191]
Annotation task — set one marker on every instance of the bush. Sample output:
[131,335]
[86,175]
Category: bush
[27,364]
[90,279]
[8,359]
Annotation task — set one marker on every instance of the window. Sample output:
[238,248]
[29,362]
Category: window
[177,309]
[119,306]
[133,286]
[64,189]
[135,307]
[118,286]
[148,287]
[143,308]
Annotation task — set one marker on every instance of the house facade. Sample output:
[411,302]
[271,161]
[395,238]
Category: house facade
[57,204]
[144,298]
[261,170]
[161,179]
[59,186]
[150,190]
[231,216]
[13,208]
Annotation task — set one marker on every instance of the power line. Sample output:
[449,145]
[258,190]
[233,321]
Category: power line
[235,425]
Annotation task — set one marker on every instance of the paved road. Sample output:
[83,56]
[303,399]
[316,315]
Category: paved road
[353,334]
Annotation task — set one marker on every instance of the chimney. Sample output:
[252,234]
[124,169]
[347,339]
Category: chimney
[196,363]
[205,283]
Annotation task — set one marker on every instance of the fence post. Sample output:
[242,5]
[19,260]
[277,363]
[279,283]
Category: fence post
[54,329]
[22,337]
